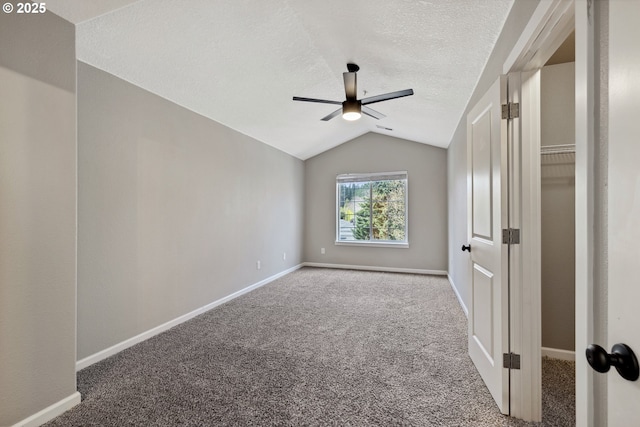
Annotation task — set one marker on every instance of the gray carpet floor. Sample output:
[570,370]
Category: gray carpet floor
[317,347]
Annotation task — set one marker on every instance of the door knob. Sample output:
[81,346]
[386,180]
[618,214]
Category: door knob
[466,248]
[622,357]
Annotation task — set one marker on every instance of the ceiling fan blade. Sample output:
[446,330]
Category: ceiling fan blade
[332,115]
[372,113]
[322,101]
[387,96]
[350,85]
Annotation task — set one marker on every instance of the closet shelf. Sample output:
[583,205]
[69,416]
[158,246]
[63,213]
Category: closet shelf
[557,149]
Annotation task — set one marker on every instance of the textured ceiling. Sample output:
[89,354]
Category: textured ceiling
[77,11]
[239,62]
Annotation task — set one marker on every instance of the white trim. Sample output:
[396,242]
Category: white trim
[549,26]
[527,37]
[586,79]
[455,291]
[371,176]
[372,244]
[101,355]
[50,412]
[526,335]
[556,353]
[376,268]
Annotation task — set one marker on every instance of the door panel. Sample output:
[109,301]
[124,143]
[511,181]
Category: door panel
[487,202]
[482,291]
[623,204]
[482,178]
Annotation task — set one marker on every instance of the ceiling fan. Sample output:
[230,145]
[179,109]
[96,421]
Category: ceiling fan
[353,108]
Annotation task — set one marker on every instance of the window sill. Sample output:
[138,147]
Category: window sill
[399,245]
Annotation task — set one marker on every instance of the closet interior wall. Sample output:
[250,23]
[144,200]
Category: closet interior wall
[558,206]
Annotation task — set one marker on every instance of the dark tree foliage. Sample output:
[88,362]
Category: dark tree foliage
[382,217]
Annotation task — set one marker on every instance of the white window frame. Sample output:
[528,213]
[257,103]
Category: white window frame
[367,177]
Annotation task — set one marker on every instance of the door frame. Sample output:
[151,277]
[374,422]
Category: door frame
[548,27]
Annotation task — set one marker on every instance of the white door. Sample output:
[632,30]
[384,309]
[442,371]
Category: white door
[624,204]
[487,215]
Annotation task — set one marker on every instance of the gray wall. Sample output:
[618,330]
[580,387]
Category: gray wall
[459,267]
[557,126]
[37,214]
[174,211]
[426,166]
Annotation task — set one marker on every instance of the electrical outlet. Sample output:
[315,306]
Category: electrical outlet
[322,251]
[284,256]
[258,265]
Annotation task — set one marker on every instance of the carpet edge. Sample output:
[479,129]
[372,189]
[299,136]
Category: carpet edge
[455,291]
[375,268]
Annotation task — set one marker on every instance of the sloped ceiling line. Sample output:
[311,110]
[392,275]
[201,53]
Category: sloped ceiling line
[240,62]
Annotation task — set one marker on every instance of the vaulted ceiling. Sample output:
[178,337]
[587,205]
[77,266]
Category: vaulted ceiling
[240,62]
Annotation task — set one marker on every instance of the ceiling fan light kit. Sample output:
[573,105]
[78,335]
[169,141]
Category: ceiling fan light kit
[353,108]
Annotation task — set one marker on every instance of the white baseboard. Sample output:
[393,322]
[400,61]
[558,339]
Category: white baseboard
[455,291]
[101,355]
[375,268]
[556,353]
[50,412]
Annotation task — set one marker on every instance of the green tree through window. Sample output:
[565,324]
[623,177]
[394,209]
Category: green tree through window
[374,209]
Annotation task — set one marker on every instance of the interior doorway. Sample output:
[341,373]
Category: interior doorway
[557,225]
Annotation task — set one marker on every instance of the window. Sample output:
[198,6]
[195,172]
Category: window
[372,208]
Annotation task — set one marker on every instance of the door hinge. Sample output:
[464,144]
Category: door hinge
[510,110]
[511,361]
[511,236]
